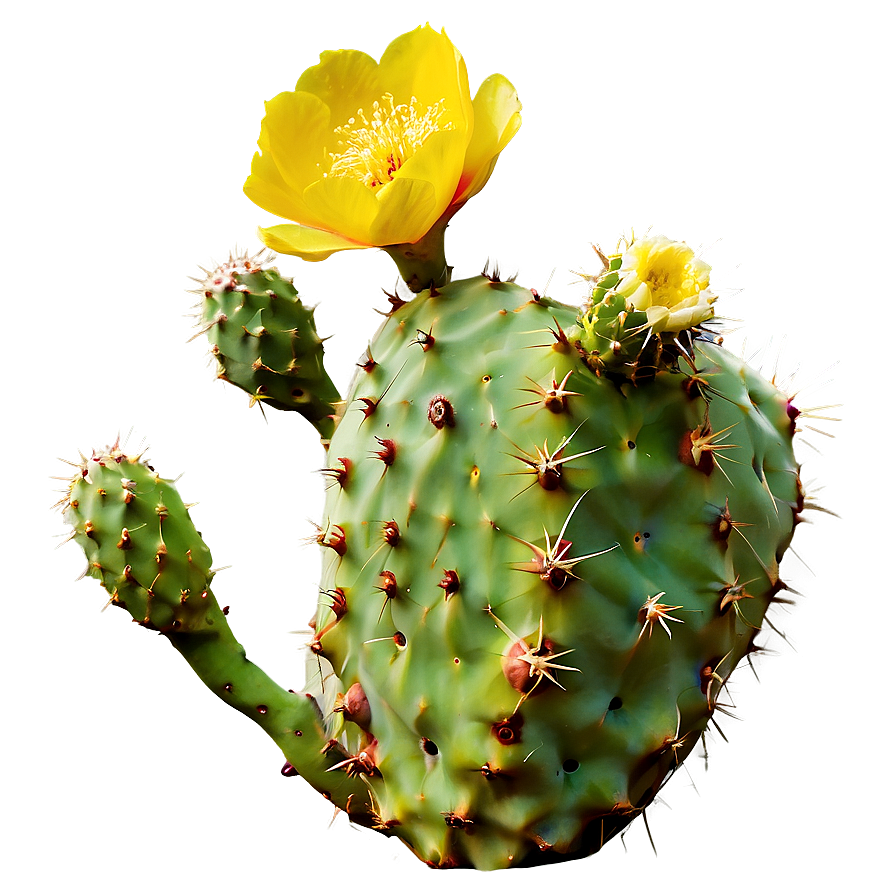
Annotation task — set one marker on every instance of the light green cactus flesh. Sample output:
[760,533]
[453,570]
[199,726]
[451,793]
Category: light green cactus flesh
[539,568]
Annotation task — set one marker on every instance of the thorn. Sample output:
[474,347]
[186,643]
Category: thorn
[653,611]
[425,340]
[493,276]
[391,533]
[367,364]
[450,583]
[339,476]
[387,454]
[394,301]
[553,397]
[603,258]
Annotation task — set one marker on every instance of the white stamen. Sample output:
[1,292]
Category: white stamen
[372,150]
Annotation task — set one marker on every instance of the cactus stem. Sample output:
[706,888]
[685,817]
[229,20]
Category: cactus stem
[422,264]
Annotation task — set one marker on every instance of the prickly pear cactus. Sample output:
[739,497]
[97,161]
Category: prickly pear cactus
[551,534]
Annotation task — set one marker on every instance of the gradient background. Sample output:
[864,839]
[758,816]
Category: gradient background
[758,131]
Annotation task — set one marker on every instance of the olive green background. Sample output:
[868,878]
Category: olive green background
[756,131]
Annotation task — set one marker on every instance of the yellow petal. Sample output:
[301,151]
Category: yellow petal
[345,204]
[659,319]
[439,162]
[425,64]
[307,243]
[294,131]
[407,209]
[496,119]
[640,298]
[267,189]
[344,81]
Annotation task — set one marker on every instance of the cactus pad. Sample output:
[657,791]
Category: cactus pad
[539,579]
[264,340]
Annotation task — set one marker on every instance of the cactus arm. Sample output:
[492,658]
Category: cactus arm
[265,341]
[141,544]
[293,721]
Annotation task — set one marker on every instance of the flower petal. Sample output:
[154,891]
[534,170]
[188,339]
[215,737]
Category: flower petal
[267,189]
[344,81]
[294,130]
[439,161]
[307,243]
[640,298]
[423,63]
[659,318]
[345,204]
[378,154]
[496,119]
[407,210]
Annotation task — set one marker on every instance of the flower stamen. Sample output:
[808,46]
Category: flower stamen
[372,149]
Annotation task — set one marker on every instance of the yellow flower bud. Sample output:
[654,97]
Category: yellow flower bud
[666,280]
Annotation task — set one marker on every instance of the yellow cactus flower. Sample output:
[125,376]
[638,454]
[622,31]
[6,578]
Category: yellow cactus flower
[362,154]
[666,280]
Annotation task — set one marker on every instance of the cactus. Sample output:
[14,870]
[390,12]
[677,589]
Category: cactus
[264,340]
[550,536]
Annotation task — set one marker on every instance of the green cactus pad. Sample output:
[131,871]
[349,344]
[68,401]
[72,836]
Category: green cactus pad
[265,341]
[539,578]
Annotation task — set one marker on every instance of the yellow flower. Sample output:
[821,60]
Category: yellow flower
[667,281]
[363,154]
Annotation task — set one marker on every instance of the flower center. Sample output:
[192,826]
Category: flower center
[668,286]
[372,149]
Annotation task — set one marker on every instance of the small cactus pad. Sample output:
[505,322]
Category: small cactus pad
[544,577]
[140,542]
[265,341]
